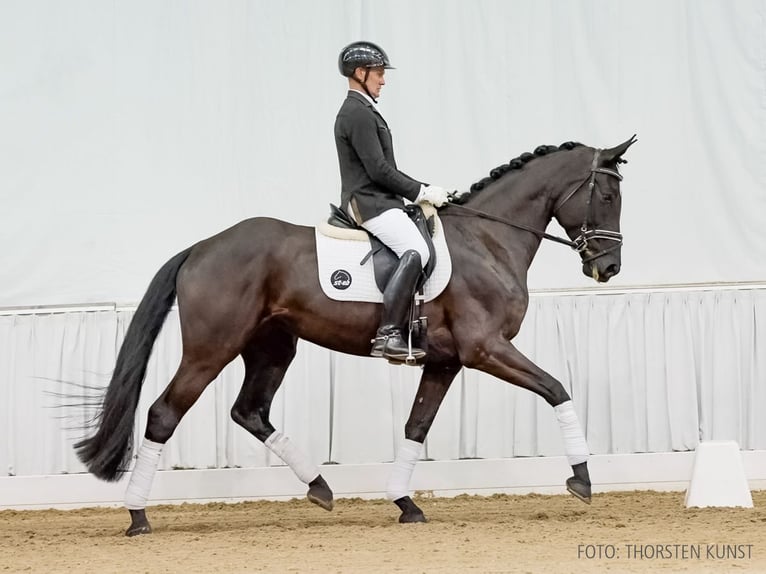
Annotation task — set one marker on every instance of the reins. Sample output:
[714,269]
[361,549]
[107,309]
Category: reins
[537,232]
[580,243]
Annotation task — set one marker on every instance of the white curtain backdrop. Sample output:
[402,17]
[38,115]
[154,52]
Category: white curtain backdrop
[648,372]
[131,129]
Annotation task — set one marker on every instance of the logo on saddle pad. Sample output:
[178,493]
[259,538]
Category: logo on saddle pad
[340,279]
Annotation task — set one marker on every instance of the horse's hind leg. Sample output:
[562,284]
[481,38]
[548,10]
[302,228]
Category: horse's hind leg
[267,357]
[192,377]
[434,383]
[501,359]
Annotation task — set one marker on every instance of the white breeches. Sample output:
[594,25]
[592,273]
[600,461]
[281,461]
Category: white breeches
[397,231]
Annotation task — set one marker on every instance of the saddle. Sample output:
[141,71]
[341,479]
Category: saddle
[384,260]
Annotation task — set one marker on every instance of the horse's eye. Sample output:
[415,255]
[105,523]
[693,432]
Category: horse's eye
[607,197]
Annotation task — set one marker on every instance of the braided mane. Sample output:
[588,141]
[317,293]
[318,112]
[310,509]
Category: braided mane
[516,163]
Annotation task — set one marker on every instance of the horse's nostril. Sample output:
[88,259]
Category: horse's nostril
[612,270]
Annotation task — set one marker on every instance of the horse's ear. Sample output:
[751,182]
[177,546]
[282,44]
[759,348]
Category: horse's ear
[614,154]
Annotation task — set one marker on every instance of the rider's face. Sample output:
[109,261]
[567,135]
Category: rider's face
[375,79]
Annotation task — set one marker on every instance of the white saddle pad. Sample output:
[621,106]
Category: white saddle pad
[343,278]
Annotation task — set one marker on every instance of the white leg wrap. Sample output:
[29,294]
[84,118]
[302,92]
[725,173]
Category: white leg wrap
[281,446]
[399,480]
[574,440]
[143,474]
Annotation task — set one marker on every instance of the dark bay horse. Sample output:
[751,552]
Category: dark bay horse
[252,290]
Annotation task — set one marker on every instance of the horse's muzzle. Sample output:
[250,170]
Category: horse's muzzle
[600,273]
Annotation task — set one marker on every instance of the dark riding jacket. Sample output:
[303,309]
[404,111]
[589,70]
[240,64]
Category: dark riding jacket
[368,170]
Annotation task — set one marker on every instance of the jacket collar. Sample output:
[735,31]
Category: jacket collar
[359,96]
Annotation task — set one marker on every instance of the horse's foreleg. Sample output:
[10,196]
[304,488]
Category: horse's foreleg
[434,382]
[501,359]
[164,415]
[267,357]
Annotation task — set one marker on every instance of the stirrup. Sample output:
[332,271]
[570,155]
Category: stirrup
[380,349]
[411,358]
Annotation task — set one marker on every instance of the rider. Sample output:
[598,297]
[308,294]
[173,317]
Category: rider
[372,189]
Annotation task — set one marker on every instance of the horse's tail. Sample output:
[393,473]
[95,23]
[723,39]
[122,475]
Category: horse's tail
[108,451]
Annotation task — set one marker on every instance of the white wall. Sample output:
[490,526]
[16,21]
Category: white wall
[130,129]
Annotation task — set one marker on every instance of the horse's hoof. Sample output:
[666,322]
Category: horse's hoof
[412,517]
[320,494]
[324,503]
[140,529]
[579,489]
[410,512]
[138,523]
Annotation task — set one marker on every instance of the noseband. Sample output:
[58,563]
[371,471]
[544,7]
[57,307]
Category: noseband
[580,243]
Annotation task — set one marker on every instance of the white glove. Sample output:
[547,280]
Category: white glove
[433,194]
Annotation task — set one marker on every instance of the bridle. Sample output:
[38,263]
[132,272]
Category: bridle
[580,243]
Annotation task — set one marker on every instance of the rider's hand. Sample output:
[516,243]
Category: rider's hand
[433,194]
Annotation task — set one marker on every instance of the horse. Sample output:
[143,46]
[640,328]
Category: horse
[250,291]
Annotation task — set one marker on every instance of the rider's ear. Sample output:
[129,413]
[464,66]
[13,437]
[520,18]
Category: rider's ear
[614,154]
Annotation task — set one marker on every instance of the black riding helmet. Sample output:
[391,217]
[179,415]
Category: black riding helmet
[364,55]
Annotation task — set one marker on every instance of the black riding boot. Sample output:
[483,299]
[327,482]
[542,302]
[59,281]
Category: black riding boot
[389,342]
